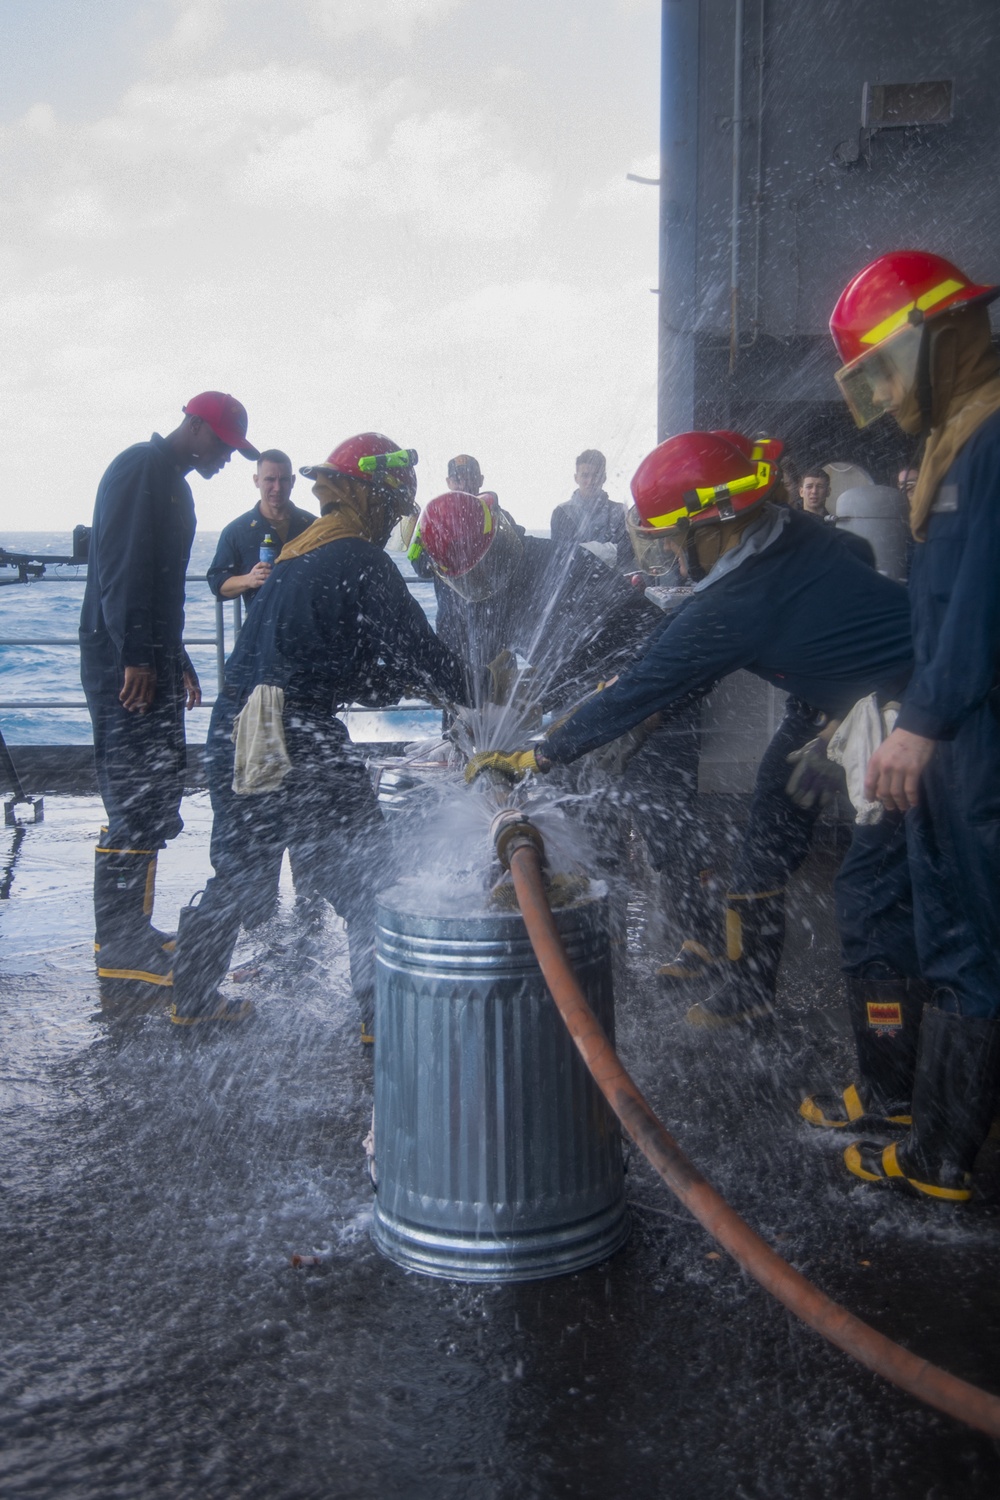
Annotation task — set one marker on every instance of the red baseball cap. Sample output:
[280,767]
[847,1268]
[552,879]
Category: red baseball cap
[226,417]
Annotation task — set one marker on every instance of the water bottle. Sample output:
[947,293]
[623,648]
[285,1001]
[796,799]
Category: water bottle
[268,549]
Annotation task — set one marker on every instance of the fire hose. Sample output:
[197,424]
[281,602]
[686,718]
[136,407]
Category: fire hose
[520,850]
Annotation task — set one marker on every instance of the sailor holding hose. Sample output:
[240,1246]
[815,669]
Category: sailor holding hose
[777,596]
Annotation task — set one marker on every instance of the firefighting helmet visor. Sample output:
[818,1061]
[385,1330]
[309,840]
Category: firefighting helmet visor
[880,380]
[494,570]
[659,551]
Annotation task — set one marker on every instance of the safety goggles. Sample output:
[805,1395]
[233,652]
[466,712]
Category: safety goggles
[395,472]
[658,553]
[879,380]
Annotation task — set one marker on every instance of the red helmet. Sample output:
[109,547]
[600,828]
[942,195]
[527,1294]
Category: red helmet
[378,460]
[692,479]
[876,325]
[469,540]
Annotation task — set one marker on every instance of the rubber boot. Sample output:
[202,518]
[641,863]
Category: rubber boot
[884,1010]
[755,935]
[166,940]
[694,960]
[127,947]
[955,1093]
[205,941]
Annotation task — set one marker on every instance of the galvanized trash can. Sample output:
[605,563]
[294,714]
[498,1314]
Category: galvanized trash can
[497,1158]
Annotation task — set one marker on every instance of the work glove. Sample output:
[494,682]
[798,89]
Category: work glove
[514,764]
[815,779]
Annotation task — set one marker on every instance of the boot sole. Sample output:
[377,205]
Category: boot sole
[892,1174]
[225,1012]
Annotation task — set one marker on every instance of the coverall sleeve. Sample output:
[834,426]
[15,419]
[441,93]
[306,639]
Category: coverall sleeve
[128,542]
[225,563]
[697,647]
[414,658]
[961,576]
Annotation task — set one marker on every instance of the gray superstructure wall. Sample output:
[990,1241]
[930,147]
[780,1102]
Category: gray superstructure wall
[818,194]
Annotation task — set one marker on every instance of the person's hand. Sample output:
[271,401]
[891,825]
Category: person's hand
[192,688]
[139,689]
[894,771]
[258,575]
[514,764]
[815,779]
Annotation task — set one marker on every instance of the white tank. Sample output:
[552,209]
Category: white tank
[879,514]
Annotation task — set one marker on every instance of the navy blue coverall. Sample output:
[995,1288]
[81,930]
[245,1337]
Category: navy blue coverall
[954,699]
[239,544]
[808,615]
[568,614]
[594,519]
[133,616]
[332,627]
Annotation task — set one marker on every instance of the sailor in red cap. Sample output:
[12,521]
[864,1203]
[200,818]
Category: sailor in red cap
[136,674]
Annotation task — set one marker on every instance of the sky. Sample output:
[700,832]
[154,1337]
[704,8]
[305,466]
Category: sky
[409,216]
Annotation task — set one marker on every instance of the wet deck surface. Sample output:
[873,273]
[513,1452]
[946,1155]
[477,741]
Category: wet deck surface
[154,1184]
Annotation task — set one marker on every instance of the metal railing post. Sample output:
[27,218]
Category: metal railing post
[220,644]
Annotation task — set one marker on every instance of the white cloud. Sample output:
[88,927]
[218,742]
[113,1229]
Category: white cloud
[395,21]
[197,27]
[453,174]
[342,238]
[187,146]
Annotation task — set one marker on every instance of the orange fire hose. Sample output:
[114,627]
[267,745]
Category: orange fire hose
[925,1381]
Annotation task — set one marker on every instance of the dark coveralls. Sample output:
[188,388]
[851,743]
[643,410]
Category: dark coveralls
[238,549]
[596,519]
[335,626]
[133,616]
[954,699]
[805,614]
[570,616]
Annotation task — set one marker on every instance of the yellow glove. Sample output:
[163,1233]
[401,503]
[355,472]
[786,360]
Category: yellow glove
[515,764]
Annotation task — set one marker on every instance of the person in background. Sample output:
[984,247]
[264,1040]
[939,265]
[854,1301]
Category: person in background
[237,570]
[334,624]
[790,479]
[465,474]
[136,674]
[814,492]
[464,477]
[914,335]
[588,515]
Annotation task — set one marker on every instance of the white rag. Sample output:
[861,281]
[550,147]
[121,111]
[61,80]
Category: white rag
[261,762]
[605,552]
[852,746]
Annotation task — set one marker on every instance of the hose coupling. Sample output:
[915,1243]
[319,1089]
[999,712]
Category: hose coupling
[511,830]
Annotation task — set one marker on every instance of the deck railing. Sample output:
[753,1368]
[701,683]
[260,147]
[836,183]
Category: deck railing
[218,640]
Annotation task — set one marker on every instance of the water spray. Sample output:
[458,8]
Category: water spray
[520,849]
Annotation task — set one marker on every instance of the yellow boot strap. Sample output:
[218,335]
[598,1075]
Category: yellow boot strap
[891,1168]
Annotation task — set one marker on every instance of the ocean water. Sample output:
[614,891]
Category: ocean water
[48,610]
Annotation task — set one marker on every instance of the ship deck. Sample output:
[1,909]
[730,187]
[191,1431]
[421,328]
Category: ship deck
[156,1183]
